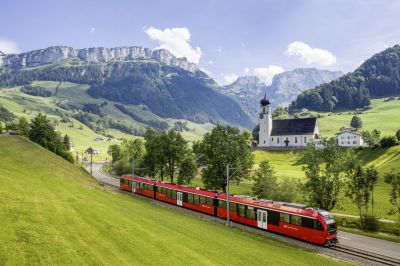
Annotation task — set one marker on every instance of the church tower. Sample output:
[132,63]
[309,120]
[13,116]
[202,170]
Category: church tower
[265,121]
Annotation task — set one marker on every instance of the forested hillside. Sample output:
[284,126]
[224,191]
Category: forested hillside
[377,77]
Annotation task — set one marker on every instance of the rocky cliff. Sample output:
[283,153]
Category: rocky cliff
[56,54]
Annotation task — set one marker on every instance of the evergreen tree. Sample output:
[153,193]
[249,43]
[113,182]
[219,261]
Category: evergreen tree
[265,182]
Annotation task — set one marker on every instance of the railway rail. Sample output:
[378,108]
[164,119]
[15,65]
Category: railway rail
[365,255]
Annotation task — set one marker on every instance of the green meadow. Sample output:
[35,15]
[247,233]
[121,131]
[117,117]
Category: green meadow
[52,212]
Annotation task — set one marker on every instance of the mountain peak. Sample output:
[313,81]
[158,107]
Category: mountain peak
[56,54]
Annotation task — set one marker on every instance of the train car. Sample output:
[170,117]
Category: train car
[191,198]
[295,220]
[139,185]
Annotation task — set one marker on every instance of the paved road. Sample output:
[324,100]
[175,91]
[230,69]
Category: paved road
[369,244]
[100,175]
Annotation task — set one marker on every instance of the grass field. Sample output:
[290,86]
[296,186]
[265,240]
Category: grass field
[54,213]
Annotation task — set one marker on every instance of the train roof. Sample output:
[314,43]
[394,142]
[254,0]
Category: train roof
[294,208]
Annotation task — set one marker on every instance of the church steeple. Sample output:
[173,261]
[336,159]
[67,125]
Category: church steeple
[265,122]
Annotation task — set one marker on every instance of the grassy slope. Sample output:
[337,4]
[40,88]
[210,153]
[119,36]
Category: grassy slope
[384,116]
[53,213]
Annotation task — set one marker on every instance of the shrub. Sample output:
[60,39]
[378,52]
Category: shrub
[370,223]
[388,141]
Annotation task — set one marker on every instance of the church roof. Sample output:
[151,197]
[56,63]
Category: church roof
[297,126]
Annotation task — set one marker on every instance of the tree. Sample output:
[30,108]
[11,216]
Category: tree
[287,190]
[44,134]
[187,170]
[372,177]
[133,148]
[324,170]
[256,132]
[2,127]
[360,186]
[115,152]
[23,126]
[153,159]
[223,146]
[356,122]
[393,179]
[281,113]
[398,135]
[388,141]
[265,184]
[175,148]
[67,142]
[372,138]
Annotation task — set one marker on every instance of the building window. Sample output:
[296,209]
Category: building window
[277,140]
[272,139]
[305,139]
[348,142]
[295,139]
[354,142]
[264,141]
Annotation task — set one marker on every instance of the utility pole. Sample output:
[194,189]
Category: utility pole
[133,166]
[228,176]
[91,163]
[228,210]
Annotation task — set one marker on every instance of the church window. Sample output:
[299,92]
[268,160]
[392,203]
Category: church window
[264,141]
[277,140]
[272,139]
[305,139]
[295,139]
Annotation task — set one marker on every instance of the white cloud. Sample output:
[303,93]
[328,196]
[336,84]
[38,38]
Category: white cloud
[177,41]
[92,29]
[310,55]
[8,47]
[267,73]
[246,70]
[210,62]
[219,49]
[229,78]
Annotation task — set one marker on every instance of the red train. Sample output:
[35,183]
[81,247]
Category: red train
[295,220]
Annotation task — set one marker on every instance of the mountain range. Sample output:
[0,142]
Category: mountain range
[284,88]
[378,76]
[169,87]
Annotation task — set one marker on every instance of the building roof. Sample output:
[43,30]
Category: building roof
[297,126]
[350,132]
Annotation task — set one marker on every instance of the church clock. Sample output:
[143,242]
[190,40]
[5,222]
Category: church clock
[261,115]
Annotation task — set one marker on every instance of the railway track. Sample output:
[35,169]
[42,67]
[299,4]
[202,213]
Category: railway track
[365,255]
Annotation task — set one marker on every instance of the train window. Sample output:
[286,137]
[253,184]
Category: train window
[250,213]
[196,199]
[222,204]
[319,226]
[185,197]
[232,206]
[202,200]
[308,222]
[209,201]
[296,220]
[190,198]
[241,210]
[130,183]
[173,194]
[273,218]
[285,218]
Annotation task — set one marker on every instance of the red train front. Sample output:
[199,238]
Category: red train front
[295,220]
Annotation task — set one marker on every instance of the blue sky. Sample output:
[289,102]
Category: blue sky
[227,38]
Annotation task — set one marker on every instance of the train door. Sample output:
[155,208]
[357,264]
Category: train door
[179,198]
[133,186]
[262,219]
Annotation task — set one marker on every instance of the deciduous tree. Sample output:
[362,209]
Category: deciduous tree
[223,146]
[393,179]
[356,122]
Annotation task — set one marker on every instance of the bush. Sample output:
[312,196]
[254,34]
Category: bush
[388,141]
[384,227]
[123,166]
[370,223]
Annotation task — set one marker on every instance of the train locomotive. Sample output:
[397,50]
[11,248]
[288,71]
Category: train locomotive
[290,219]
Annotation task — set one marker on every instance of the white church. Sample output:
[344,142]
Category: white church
[285,133]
